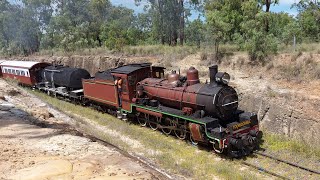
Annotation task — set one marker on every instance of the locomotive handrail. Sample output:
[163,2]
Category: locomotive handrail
[52,70]
[227,104]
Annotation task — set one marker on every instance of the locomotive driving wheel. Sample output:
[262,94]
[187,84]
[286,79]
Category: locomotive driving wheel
[167,122]
[153,122]
[142,119]
[180,129]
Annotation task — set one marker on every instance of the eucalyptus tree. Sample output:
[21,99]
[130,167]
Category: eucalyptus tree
[168,19]
[309,18]
[267,4]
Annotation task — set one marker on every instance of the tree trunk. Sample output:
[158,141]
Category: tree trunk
[160,6]
[162,40]
[216,44]
[99,40]
[174,38]
[182,22]
[268,3]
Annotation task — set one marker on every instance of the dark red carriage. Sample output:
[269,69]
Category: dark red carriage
[25,72]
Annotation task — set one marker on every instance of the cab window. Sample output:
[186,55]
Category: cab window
[132,80]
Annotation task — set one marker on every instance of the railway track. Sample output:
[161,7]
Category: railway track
[278,175]
[167,176]
[289,163]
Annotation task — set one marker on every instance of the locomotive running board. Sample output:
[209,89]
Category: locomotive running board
[195,120]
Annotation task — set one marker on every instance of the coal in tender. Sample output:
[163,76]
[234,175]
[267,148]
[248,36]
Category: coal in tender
[104,75]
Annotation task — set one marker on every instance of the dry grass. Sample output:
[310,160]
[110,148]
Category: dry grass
[271,93]
[203,56]
[80,52]
[307,68]
[303,47]
[166,151]
[179,52]
[280,143]
[145,50]
[153,50]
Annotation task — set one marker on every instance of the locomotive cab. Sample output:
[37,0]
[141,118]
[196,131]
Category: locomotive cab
[131,74]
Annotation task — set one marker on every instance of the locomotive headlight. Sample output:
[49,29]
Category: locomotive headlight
[223,77]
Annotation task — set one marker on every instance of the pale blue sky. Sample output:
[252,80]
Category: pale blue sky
[284,6]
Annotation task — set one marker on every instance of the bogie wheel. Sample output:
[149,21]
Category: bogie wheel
[180,130]
[193,142]
[216,147]
[167,122]
[104,109]
[142,119]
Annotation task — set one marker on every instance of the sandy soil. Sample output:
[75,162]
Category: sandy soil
[32,152]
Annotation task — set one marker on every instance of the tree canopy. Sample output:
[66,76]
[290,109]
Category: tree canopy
[33,25]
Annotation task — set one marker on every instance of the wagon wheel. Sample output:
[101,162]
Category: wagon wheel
[104,109]
[154,121]
[180,130]
[167,122]
[142,119]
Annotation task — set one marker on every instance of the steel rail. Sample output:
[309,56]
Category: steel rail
[264,170]
[287,162]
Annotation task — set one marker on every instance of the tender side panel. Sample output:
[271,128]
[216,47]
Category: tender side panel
[101,91]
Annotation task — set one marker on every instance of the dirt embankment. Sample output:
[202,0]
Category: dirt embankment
[281,92]
[90,63]
[54,151]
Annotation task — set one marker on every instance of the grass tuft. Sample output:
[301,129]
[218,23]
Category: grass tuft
[278,143]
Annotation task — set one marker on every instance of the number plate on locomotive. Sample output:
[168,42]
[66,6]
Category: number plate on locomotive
[241,124]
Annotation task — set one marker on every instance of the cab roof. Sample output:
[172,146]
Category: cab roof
[129,68]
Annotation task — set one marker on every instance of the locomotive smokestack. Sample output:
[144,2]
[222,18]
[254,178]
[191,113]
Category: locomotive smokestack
[213,71]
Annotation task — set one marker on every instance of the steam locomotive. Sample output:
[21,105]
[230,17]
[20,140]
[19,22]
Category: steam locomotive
[179,105]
